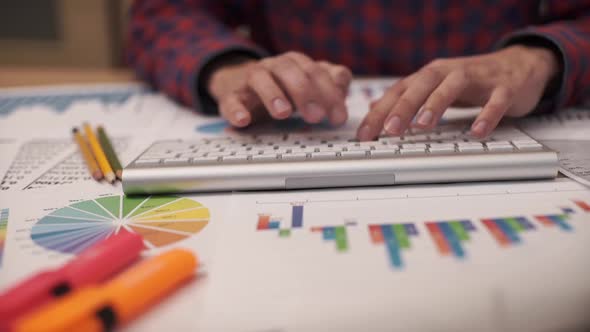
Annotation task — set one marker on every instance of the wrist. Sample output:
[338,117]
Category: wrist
[546,61]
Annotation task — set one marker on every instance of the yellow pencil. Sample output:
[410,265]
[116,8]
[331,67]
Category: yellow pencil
[101,158]
[87,155]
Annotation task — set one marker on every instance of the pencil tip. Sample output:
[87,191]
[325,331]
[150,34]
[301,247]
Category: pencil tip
[74,130]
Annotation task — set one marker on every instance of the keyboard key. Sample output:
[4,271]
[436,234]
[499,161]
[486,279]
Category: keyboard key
[382,153]
[412,151]
[353,154]
[524,142]
[264,157]
[470,147]
[442,149]
[147,162]
[500,148]
[501,143]
[323,155]
[294,156]
[206,160]
[235,159]
[442,145]
[529,147]
[175,161]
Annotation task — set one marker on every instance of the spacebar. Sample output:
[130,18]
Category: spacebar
[340,180]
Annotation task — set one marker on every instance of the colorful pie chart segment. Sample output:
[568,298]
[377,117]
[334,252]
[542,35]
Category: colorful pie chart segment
[161,220]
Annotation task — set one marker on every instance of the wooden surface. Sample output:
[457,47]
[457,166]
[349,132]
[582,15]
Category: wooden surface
[27,76]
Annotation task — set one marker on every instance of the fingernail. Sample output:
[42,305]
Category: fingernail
[393,125]
[315,112]
[241,117]
[365,133]
[280,106]
[425,118]
[480,128]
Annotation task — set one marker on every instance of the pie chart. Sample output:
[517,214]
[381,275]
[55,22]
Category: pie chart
[161,220]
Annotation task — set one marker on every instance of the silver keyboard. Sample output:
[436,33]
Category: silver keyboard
[225,163]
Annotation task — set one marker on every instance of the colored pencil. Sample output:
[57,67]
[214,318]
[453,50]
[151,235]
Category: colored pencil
[108,149]
[87,155]
[101,158]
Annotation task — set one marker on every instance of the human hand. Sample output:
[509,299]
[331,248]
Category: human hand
[508,82]
[279,85]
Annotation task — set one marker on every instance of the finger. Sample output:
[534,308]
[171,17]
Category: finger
[424,83]
[238,108]
[341,75]
[499,103]
[372,124]
[441,98]
[298,87]
[332,97]
[263,84]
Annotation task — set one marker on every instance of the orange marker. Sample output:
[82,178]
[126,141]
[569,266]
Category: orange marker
[103,308]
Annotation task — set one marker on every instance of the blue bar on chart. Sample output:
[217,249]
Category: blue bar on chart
[395,237]
[567,210]
[449,235]
[297,216]
[559,220]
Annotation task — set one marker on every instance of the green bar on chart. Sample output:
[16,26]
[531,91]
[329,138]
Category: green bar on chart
[285,232]
[458,229]
[401,235]
[341,240]
[514,224]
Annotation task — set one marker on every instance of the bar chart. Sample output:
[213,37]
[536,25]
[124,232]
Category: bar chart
[395,238]
[450,237]
[271,222]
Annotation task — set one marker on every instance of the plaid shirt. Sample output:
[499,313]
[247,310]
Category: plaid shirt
[171,42]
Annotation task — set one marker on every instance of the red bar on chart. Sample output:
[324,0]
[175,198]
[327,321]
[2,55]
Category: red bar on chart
[263,221]
[583,205]
[376,234]
[546,221]
[439,238]
[497,233]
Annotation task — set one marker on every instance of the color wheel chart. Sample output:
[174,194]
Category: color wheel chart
[3,226]
[161,220]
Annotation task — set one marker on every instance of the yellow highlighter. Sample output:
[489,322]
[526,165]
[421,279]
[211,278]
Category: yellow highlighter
[106,307]
[99,154]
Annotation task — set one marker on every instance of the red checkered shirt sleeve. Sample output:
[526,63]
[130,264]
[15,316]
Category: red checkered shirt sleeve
[568,29]
[170,42]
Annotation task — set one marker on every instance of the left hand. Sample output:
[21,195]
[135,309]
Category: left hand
[508,82]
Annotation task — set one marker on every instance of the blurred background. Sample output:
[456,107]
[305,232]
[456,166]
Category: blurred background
[43,38]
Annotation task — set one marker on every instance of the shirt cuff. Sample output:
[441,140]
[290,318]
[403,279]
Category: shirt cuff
[555,95]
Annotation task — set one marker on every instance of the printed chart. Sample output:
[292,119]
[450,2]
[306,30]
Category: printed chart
[3,226]
[449,237]
[161,220]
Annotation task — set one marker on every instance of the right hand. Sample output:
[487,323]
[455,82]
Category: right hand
[278,86]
